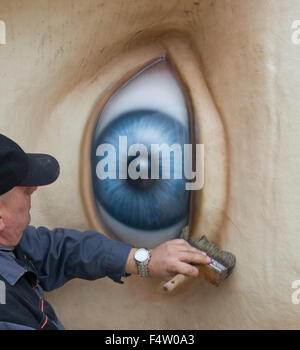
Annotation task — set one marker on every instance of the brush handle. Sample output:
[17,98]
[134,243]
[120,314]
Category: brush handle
[214,273]
[175,282]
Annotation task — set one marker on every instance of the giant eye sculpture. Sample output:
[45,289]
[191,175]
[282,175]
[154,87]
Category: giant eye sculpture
[141,158]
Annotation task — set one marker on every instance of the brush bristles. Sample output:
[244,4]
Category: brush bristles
[227,259]
[222,257]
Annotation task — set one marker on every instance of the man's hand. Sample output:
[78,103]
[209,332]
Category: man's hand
[171,258]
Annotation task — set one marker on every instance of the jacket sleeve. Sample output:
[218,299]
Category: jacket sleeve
[62,254]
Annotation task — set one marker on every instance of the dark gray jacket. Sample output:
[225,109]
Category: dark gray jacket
[45,260]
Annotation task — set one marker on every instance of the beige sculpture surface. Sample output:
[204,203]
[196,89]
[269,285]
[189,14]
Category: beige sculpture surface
[240,67]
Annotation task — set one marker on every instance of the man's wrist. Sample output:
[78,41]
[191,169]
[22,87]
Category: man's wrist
[131,264]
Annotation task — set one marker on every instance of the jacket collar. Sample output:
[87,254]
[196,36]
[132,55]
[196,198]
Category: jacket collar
[10,269]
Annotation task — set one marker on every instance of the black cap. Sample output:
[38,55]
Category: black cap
[18,168]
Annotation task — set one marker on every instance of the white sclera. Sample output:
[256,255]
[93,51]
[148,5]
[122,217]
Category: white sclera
[153,88]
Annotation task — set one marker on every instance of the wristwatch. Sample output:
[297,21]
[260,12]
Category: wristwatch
[142,257]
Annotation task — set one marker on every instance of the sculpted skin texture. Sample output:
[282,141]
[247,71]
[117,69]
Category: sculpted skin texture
[237,65]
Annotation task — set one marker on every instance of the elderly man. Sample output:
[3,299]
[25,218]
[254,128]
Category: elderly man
[36,259]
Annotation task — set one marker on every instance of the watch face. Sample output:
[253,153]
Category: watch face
[141,255]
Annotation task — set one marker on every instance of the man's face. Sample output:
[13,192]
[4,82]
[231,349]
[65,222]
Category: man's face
[14,214]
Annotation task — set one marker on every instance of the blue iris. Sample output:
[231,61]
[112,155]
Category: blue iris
[147,204]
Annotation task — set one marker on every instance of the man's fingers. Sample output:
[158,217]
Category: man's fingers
[176,257]
[183,263]
[192,250]
[187,269]
[194,257]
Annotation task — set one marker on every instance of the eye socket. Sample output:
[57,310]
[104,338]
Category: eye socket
[149,109]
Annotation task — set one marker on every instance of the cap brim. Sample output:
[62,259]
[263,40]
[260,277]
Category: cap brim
[43,169]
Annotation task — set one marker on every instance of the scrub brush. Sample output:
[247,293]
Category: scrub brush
[220,267]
